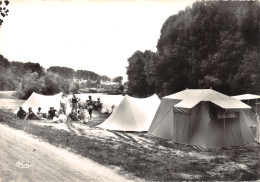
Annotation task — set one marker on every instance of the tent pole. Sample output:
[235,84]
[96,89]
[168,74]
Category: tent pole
[189,128]
[255,111]
[256,106]
[173,121]
[224,128]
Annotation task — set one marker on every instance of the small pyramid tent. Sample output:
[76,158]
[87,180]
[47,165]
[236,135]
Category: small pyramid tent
[132,114]
[43,101]
[251,117]
[201,117]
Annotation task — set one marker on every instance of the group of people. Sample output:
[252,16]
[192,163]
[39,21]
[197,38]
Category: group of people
[31,115]
[76,113]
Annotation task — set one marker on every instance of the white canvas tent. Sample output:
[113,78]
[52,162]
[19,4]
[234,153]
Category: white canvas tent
[201,117]
[252,116]
[132,114]
[43,101]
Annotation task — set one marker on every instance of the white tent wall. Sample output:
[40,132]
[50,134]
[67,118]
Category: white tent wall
[118,119]
[132,114]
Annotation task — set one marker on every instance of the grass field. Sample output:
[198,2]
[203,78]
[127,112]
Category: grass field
[143,155]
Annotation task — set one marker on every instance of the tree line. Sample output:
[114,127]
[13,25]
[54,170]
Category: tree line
[27,78]
[212,44]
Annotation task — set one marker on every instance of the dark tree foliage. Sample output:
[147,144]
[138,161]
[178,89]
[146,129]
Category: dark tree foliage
[3,10]
[105,78]
[141,73]
[136,75]
[8,78]
[64,72]
[212,44]
[34,67]
[86,75]
[118,79]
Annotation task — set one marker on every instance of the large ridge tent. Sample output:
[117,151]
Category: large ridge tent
[251,117]
[201,117]
[43,101]
[132,114]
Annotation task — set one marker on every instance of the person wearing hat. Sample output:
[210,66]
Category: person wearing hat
[51,113]
[90,106]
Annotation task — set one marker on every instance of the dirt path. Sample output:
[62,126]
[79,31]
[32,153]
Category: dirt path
[45,162]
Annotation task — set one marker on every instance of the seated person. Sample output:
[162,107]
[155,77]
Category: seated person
[62,117]
[73,115]
[56,116]
[81,115]
[21,113]
[51,113]
[31,115]
[98,104]
[41,115]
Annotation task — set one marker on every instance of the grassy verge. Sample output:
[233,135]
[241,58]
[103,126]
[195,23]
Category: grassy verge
[160,161]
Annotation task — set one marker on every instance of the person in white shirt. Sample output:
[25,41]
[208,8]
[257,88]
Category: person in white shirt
[62,117]
[64,103]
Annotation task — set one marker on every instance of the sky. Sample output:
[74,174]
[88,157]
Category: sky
[92,35]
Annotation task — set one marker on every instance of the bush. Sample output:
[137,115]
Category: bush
[48,84]
[31,83]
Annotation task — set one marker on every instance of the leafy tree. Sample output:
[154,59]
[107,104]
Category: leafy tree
[205,45]
[137,85]
[55,84]
[34,67]
[212,44]
[150,59]
[105,78]
[31,82]
[121,88]
[74,87]
[248,74]
[118,80]
[86,75]
[64,72]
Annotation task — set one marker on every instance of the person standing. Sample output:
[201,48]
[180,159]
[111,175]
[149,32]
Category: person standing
[74,102]
[64,103]
[90,106]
